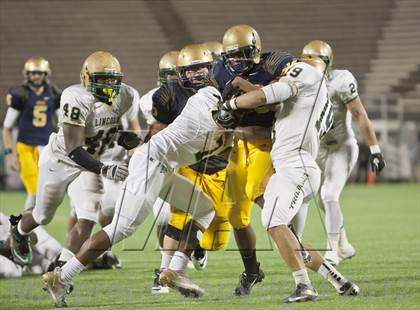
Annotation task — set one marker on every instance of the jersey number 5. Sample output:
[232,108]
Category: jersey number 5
[40,114]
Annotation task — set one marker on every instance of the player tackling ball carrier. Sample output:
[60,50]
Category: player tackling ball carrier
[303,115]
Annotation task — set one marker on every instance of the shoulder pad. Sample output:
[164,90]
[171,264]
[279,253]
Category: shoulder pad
[275,61]
[19,91]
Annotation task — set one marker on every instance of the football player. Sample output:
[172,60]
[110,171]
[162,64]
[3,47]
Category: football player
[33,103]
[44,250]
[93,197]
[339,151]
[90,115]
[303,115]
[192,136]
[208,175]
[166,74]
[250,166]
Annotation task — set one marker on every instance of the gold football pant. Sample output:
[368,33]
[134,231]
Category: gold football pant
[216,236]
[249,170]
[28,159]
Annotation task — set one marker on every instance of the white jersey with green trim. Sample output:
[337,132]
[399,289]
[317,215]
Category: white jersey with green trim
[301,119]
[193,135]
[79,107]
[342,88]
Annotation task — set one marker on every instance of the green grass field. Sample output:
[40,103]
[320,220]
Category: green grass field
[382,222]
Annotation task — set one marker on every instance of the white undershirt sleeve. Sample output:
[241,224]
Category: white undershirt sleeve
[279,91]
[11,117]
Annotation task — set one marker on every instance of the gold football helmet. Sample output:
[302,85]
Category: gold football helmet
[215,47]
[194,66]
[242,48]
[167,67]
[36,64]
[321,49]
[101,75]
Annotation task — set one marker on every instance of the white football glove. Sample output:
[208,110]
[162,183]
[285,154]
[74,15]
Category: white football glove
[116,172]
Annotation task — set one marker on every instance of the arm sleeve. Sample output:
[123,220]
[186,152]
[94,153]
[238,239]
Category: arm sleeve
[279,91]
[72,111]
[348,90]
[162,106]
[11,117]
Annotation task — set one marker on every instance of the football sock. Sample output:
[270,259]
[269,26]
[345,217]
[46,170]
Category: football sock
[179,261]
[165,261]
[301,276]
[65,255]
[327,271]
[250,261]
[333,219]
[71,269]
[20,231]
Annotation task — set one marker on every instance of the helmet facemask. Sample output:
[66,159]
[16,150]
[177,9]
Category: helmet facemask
[241,60]
[167,76]
[195,76]
[105,86]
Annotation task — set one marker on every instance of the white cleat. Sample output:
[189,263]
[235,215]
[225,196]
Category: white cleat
[57,289]
[181,283]
[346,251]
[201,262]
[190,265]
[332,257]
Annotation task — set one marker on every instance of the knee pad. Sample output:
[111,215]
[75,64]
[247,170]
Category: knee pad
[239,216]
[216,237]
[328,195]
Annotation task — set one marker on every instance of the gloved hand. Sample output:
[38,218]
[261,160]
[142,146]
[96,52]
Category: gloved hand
[377,161]
[116,172]
[224,117]
[128,139]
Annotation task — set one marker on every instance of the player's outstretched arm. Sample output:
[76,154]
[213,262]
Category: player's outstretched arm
[272,93]
[74,137]
[361,117]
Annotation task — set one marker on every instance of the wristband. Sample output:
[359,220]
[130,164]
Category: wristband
[374,149]
[7,151]
[231,104]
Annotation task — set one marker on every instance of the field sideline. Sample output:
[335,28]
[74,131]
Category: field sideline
[382,222]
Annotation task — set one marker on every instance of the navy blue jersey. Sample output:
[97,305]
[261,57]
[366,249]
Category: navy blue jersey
[268,69]
[168,102]
[36,112]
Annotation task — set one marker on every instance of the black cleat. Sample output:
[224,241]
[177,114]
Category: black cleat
[303,292]
[20,245]
[246,282]
[108,260]
[55,263]
[349,289]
